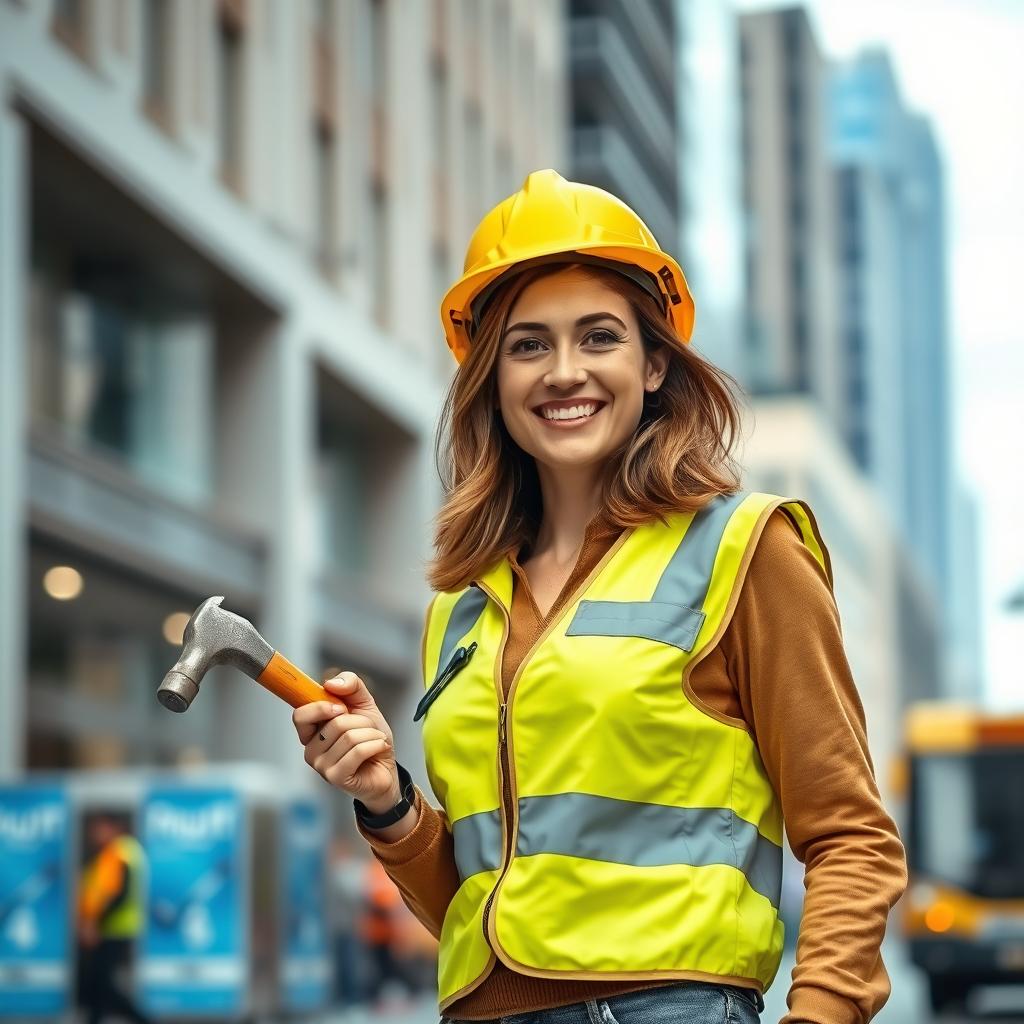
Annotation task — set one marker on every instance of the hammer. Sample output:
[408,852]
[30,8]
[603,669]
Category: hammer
[215,636]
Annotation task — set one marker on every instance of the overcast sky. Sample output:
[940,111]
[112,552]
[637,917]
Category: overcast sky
[961,62]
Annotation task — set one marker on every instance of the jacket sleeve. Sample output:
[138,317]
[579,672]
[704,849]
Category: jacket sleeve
[786,656]
[421,864]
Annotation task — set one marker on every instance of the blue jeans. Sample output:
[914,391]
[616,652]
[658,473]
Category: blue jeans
[687,1002]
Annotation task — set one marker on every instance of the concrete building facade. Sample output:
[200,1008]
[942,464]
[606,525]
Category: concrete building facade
[788,198]
[226,229]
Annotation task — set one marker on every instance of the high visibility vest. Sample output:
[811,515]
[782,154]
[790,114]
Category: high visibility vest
[101,879]
[646,838]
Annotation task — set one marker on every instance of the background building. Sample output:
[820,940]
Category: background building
[710,172]
[846,303]
[623,116]
[897,403]
[222,359]
[788,197]
[221,356]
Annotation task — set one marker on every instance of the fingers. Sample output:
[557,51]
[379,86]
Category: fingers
[325,734]
[309,717]
[339,760]
[344,771]
[336,727]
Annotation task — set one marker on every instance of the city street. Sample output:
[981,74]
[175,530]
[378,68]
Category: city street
[634,385]
[908,1003]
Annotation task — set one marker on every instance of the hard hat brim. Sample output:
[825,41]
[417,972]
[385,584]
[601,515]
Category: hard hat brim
[455,308]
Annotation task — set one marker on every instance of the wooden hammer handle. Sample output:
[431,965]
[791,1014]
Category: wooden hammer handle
[291,684]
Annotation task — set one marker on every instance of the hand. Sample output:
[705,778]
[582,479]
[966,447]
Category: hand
[350,744]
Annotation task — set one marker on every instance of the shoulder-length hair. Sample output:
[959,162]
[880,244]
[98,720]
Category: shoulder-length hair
[679,457]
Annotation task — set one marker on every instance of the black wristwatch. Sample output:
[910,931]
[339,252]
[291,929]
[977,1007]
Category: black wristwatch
[397,812]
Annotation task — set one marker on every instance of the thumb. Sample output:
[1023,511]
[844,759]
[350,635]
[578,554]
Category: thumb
[349,686]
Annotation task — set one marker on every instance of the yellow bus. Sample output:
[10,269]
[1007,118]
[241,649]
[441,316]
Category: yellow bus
[963,913]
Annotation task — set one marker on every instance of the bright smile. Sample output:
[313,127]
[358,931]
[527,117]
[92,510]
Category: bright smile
[567,423]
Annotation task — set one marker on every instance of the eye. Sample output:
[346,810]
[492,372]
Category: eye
[516,346]
[607,335]
[604,337]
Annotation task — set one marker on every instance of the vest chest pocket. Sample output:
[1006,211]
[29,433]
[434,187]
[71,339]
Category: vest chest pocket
[663,621]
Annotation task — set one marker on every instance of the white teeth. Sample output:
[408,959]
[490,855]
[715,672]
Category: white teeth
[572,413]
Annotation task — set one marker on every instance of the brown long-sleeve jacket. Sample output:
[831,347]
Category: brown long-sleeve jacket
[781,670]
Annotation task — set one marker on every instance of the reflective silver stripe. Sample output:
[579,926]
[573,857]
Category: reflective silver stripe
[625,832]
[674,624]
[462,619]
[688,574]
[477,839]
[648,835]
[674,614]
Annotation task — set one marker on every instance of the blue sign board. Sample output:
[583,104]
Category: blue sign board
[306,966]
[194,953]
[34,901]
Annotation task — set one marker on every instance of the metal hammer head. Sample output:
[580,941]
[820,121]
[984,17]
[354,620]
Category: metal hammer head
[213,636]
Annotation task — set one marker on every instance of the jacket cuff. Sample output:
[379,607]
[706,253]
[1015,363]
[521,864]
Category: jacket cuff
[813,1005]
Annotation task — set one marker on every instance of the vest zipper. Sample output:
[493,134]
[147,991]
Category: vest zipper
[512,818]
[502,711]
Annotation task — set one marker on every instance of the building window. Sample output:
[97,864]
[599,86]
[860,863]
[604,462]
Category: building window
[343,478]
[440,135]
[69,25]
[797,268]
[442,275]
[791,34]
[378,45]
[381,254]
[325,141]
[229,94]
[796,212]
[326,205]
[474,159]
[379,49]
[155,59]
[109,341]
[800,345]
[472,40]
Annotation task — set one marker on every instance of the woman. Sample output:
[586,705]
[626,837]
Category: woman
[635,669]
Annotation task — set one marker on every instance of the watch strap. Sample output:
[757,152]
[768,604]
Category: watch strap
[408,790]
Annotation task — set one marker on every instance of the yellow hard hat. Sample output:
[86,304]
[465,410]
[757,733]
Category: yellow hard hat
[550,216]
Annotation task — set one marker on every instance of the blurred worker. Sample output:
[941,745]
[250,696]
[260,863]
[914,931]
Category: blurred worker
[110,914]
[346,874]
[416,949]
[379,928]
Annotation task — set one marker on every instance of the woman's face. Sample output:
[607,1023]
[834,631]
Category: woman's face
[574,344]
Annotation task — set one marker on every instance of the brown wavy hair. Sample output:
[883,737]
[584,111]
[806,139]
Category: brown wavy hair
[679,457]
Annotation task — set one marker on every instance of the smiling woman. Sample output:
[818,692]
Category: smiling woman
[576,395]
[657,668]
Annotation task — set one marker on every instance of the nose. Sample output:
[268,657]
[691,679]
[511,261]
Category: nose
[567,369]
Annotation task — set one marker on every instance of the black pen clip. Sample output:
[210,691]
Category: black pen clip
[459,660]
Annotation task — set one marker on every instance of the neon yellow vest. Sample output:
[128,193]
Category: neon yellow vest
[125,921]
[647,838]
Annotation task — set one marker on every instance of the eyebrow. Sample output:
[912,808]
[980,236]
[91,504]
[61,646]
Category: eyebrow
[588,319]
